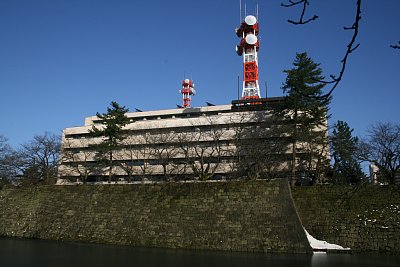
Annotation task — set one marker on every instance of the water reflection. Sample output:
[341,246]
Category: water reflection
[344,260]
[36,253]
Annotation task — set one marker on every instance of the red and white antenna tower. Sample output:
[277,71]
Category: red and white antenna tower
[248,47]
[187,91]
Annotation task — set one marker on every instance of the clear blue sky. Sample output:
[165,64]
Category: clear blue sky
[64,60]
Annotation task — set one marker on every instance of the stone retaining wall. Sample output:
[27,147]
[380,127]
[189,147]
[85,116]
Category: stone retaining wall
[255,216]
[364,218]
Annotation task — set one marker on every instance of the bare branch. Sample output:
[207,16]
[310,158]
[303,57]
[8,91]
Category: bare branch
[350,48]
[292,3]
[395,46]
[301,20]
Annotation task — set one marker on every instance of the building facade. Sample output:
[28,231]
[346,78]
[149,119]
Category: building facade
[212,142]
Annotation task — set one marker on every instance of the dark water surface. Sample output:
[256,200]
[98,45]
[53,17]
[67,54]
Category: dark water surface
[37,253]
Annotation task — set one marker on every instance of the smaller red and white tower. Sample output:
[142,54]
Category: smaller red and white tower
[187,91]
[248,47]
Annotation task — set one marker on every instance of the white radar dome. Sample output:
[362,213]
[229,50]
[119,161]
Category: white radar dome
[250,20]
[251,39]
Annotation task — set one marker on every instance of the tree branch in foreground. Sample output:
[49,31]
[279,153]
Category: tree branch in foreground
[351,46]
[395,46]
[305,4]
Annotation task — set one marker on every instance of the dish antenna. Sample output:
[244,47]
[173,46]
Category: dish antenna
[251,39]
[250,20]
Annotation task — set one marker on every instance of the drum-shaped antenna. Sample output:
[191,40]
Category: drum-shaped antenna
[251,39]
[250,20]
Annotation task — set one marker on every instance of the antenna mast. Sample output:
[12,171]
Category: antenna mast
[248,48]
[240,11]
[187,91]
[257,11]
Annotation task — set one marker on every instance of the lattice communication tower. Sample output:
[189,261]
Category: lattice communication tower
[248,48]
[187,91]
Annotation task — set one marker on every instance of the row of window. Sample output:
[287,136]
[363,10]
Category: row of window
[180,129]
[183,161]
[176,144]
[173,116]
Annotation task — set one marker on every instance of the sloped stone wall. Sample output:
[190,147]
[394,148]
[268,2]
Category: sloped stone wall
[255,216]
[364,218]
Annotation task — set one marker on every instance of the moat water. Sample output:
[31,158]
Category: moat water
[37,253]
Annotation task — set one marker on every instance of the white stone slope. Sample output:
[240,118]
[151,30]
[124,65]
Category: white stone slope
[322,245]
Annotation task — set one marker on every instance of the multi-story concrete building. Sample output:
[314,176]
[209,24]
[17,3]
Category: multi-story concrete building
[205,142]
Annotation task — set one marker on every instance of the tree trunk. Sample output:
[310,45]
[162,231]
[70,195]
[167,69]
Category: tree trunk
[294,150]
[111,165]
[293,174]
[165,171]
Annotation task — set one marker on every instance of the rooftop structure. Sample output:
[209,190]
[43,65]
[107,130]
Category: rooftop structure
[187,91]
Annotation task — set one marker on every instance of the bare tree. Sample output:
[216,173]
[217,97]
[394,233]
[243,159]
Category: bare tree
[5,150]
[314,158]
[4,147]
[144,153]
[164,152]
[134,155]
[237,124]
[6,165]
[12,166]
[382,148]
[260,146]
[41,156]
[77,161]
[263,146]
[184,151]
[127,156]
[202,148]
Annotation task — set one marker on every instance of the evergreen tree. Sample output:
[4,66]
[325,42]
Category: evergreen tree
[113,121]
[303,112]
[346,167]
